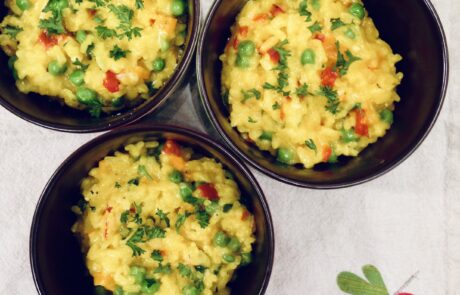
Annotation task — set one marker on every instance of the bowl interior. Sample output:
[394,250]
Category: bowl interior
[57,262]
[417,36]
[50,113]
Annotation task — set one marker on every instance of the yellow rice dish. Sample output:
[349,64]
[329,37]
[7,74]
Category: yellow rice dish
[154,221]
[309,80]
[96,55]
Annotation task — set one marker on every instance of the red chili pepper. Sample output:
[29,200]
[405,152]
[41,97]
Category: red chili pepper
[208,191]
[320,37]
[245,215]
[47,40]
[327,152]
[260,17]
[171,148]
[243,31]
[236,42]
[361,127]
[328,77]
[152,21]
[274,55]
[275,10]
[92,12]
[111,83]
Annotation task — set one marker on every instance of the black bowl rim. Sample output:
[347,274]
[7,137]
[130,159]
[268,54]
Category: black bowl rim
[148,128]
[305,184]
[131,115]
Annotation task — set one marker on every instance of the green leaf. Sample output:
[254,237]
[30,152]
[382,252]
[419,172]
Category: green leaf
[142,170]
[343,64]
[353,284]
[303,10]
[163,217]
[373,275]
[316,27]
[181,220]
[139,4]
[311,145]
[116,53]
[336,23]
[104,32]
[156,255]
[332,99]
[250,94]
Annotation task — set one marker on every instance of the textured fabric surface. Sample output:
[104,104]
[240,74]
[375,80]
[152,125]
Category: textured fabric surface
[406,221]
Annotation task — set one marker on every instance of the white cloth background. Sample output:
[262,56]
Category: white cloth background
[406,221]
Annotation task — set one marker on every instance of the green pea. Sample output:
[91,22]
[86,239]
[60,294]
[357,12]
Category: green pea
[350,34]
[99,290]
[185,190]
[11,61]
[266,135]
[77,77]
[246,258]
[190,290]
[285,155]
[246,48]
[308,57]
[234,245]
[242,61]
[158,64]
[221,239]
[150,286]
[387,116]
[138,273]
[86,96]
[56,69]
[23,4]
[348,136]
[175,176]
[118,291]
[357,9]
[164,44]
[212,208]
[228,258]
[177,7]
[80,36]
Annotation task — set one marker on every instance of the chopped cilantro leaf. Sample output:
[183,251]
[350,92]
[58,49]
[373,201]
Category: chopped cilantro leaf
[184,271]
[332,99]
[79,65]
[154,232]
[181,220]
[343,64]
[311,145]
[316,27]
[139,4]
[303,10]
[116,53]
[276,106]
[250,94]
[336,23]
[203,218]
[166,269]
[163,217]
[156,255]
[251,120]
[104,32]
[302,90]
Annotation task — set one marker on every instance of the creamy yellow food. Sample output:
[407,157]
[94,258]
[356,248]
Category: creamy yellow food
[309,80]
[154,221]
[97,55]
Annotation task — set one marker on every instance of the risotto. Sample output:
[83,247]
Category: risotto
[155,220]
[96,55]
[309,80]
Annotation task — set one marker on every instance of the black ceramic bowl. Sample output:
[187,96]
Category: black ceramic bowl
[411,27]
[57,262]
[43,111]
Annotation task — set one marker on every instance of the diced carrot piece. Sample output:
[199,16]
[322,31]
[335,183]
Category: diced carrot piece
[244,31]
[261,17]
[361,126]
[275,10]
[327,152]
